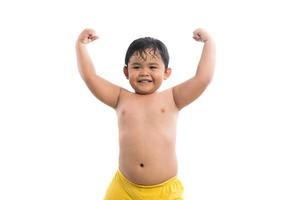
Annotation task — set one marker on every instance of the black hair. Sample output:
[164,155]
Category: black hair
[140,45]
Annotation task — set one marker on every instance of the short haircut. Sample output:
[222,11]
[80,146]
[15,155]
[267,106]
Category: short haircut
[142,44]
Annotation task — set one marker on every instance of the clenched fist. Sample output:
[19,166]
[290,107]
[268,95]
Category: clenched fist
[201,35]
[87,36]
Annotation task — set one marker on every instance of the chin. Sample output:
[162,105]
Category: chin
[145,92]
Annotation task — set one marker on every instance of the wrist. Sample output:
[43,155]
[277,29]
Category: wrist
[209,40]
[79,43]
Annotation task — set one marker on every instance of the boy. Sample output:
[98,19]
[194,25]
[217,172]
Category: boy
[146,118]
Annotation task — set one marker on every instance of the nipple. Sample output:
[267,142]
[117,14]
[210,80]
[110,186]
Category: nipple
[142,165]
[123,112]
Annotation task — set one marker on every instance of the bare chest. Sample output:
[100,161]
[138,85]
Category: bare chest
[148,111]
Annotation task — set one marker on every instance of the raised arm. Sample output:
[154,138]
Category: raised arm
[105,91]
[189,90]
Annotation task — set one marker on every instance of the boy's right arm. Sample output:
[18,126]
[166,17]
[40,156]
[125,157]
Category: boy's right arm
[105,91]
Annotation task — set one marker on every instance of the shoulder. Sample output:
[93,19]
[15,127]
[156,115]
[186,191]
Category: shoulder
[167,97]
[124,94]
[167,92]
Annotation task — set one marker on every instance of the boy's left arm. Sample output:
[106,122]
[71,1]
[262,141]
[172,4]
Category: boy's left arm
[189,90]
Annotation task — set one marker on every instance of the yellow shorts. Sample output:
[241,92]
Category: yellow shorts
[121,188]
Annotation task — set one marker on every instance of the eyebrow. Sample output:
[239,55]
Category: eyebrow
[136,63]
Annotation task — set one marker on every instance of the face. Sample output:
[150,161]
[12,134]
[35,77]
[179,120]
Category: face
[146,73]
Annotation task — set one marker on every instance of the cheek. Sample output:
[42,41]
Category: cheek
[132,75]
[159,75]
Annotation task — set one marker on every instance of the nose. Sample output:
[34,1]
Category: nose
[144,72]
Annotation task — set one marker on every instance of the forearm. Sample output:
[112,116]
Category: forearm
[84,62]
[205,69]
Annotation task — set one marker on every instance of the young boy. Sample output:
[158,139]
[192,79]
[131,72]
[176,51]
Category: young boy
[146,118]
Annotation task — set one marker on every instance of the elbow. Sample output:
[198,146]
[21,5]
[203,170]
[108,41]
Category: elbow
[204,80]
[84,77]
[208,80]
[87,75]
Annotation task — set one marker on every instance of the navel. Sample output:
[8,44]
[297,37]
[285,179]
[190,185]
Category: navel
[142,165]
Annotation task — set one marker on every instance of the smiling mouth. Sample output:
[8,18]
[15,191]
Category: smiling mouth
[144,81]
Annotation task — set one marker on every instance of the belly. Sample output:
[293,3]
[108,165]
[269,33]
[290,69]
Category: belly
[147,157]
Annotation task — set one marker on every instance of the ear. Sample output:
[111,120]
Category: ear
[167,73]
[125,70]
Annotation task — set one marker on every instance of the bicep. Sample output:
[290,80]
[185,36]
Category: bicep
[104,90]
[188,91]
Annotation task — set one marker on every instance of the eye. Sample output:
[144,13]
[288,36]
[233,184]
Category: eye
[136,67]
[153,67]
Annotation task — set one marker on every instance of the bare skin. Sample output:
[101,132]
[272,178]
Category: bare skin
[147,136]
[147,118]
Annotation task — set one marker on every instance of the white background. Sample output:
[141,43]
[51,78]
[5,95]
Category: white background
[238,141]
